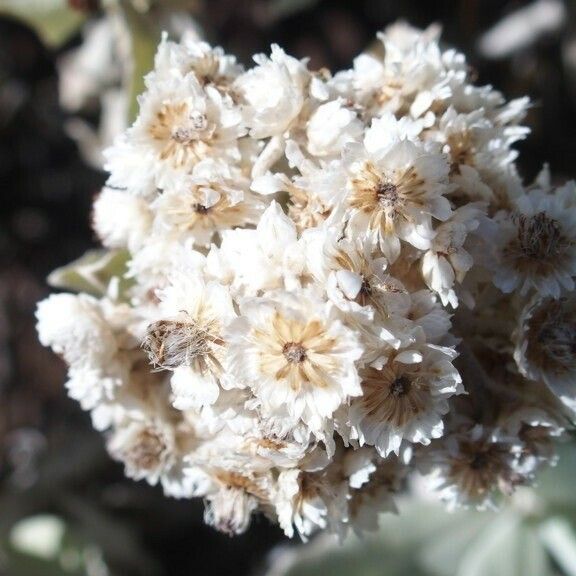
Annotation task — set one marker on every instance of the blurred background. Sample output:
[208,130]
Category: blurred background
[69,72]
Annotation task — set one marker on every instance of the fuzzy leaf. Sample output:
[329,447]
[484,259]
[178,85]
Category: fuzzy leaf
[93,272]
[506,547]
[560,540]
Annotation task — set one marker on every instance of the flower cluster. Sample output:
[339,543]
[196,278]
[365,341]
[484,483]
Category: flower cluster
[334,282]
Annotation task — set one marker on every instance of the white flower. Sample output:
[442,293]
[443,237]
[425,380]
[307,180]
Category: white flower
[213,198]
[267,258]
[151,444]
[405,399]
[356,281]
[75,327]
[232,485]
[187,338]
[146,448]
[92,387]
[311,189]
[448,261]
[121,220]
[427,312]
[546,345]
[377,495]
[211,66]
[274,91]
[323,494]
[537,245]
[473,140]
[298,359]
[299,504]
[471,466]
[181,123]
[537,430]
[330,127]
[411,74]
[393,193]
[153,263]
[230,509]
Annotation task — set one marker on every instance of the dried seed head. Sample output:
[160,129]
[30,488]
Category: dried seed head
[171,343]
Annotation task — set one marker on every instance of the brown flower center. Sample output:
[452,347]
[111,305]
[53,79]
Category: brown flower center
[365,293]
[200,208]
[539,237]
[387,194]
[393,398]
[294,352]
[559,341]
[400,387]
[479,460]
[482,467]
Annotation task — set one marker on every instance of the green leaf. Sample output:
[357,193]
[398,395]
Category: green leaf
[556,484]
[357,558]
[425,540]
[560,540]
[395,550]
[93,273]
[506,547]
[53,20]
[447,546]
[144,39]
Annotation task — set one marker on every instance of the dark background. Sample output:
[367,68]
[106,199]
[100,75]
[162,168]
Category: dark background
[50,459]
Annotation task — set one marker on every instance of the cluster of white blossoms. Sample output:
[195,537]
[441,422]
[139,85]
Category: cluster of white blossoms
[336,282]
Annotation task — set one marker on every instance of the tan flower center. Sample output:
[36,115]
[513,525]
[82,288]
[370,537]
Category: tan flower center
[182,135]
[393,397]
[297,353]
[462,150]
[148,450]
[372,190]
[385,197]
